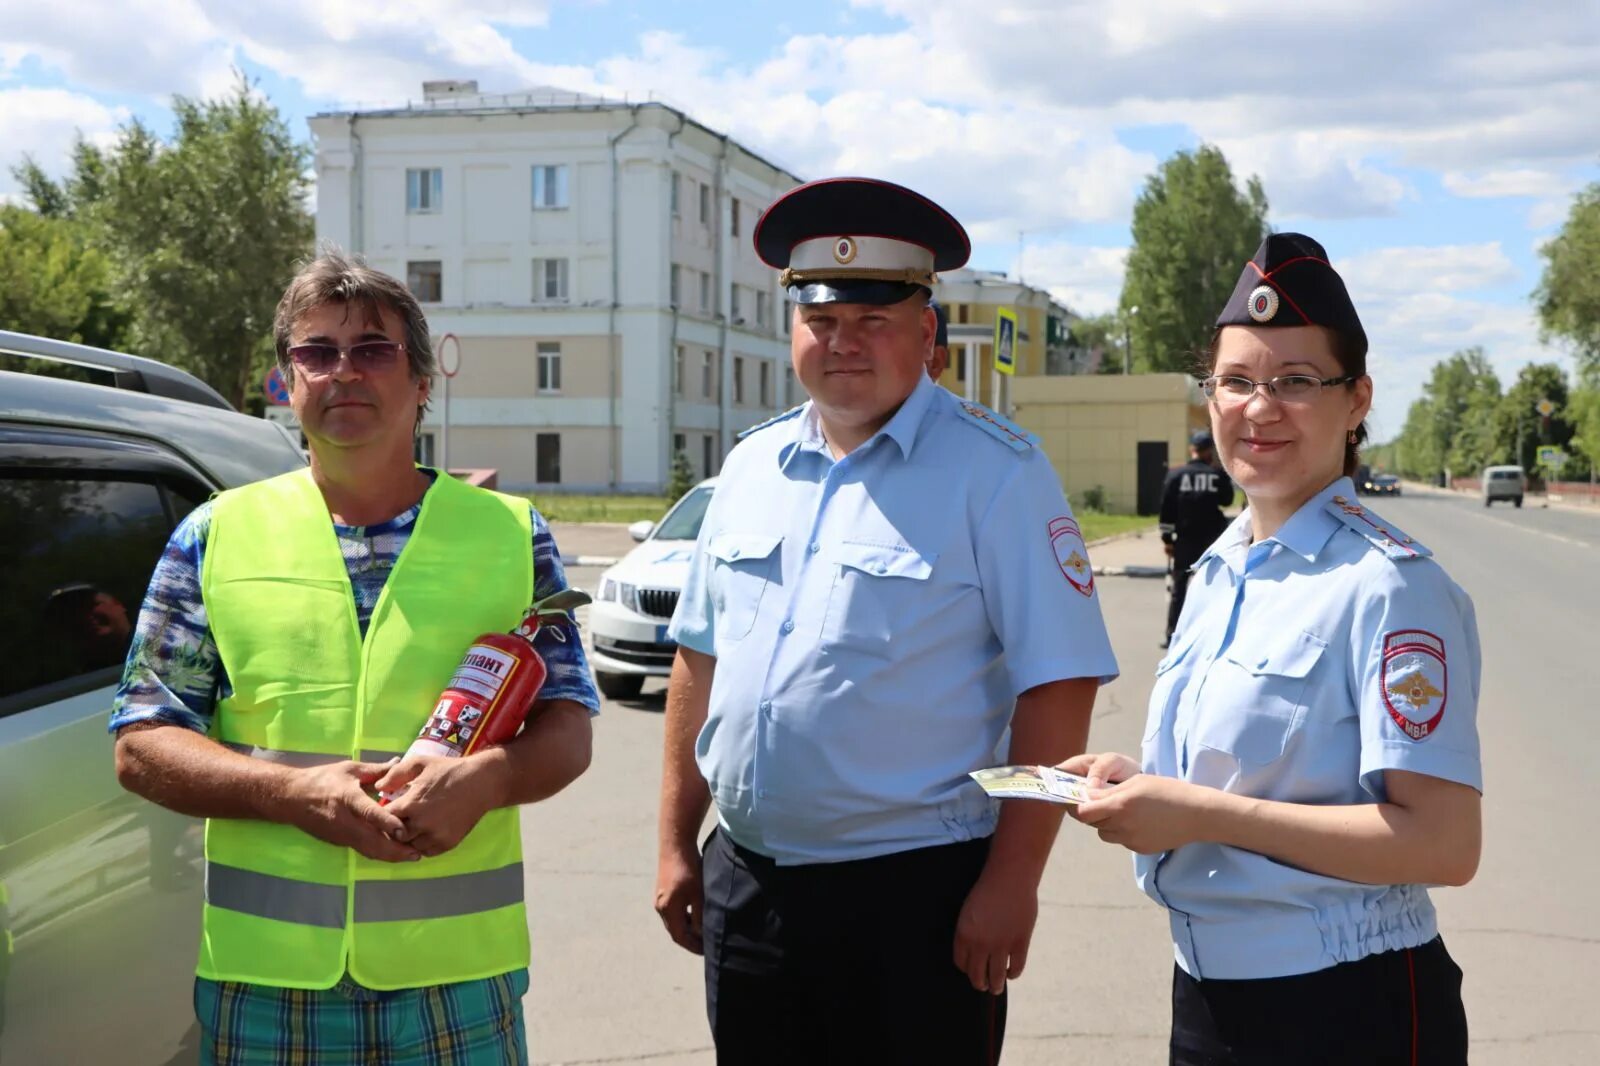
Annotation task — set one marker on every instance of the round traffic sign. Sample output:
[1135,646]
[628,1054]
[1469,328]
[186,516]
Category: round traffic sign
[276,388]
[449,345]
[1544,407]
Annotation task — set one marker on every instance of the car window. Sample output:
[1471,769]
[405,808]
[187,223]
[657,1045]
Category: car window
[683,521]
[78,553]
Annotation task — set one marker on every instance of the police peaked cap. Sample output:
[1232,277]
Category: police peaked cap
[1291,283]
[858,240]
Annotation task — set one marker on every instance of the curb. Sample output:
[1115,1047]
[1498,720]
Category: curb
[589,560]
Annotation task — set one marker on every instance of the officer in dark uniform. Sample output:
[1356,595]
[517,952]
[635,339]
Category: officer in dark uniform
[1191,516]
[940,359]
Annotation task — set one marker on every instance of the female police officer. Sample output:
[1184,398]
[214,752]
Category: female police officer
[1310,759]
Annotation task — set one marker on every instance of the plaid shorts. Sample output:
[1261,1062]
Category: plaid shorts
[473,1023]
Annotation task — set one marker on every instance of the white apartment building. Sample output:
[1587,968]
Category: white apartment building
[591,258]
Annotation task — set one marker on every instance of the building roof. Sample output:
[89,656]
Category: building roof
[461,98]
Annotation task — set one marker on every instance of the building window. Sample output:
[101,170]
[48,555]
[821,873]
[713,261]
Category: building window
[766,383]
[425,279]
[680,445]
[761,308]
[708,445]
[705,291]
[738,380]
[680,380]
[707,365]
[791,395]
[549,281]
[675,295]
[961,313]
[677,194]
[788,316]
[422,449]
[549,367]
[547,458]
[424,190]
[733,227]
[549,187]
[735,306]
[705,205]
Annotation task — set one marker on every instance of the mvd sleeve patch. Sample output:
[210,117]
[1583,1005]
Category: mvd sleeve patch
[1073,558]
[1414,680]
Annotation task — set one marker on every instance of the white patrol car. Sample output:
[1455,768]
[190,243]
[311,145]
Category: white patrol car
[628,619]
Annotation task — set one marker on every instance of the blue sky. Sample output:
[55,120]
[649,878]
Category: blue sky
[1431,146]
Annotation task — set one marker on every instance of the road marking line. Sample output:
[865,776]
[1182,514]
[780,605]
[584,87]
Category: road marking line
[1540,532]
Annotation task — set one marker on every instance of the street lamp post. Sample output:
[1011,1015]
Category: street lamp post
[1127,339]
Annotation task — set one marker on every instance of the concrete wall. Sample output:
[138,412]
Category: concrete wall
[1090,426]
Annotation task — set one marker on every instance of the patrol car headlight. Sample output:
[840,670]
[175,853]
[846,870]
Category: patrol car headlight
[626,593]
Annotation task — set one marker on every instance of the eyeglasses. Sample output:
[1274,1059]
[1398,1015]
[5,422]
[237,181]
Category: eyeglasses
[368,357]
[1289,388]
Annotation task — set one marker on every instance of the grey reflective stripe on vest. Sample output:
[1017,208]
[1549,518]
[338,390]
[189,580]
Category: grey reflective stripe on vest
[309,903]
[438,897]
[302,759]
[266,896]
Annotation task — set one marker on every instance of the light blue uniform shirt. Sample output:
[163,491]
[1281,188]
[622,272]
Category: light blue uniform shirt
[874,620]
[1302,668]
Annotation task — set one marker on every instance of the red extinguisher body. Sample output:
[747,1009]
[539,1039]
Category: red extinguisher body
[486,700]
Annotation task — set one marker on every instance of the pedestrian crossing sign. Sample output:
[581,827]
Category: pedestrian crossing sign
[1005,340]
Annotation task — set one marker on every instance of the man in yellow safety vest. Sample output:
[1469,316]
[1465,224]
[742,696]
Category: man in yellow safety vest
[295,637]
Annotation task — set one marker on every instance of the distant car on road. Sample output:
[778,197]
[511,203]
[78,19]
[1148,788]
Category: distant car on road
[628,620]
[1504,483]
[1384,485]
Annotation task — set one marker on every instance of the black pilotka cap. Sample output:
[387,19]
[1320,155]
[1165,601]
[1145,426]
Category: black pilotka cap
[858,240]
[1291,283]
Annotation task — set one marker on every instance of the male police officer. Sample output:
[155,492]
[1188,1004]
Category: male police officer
[887,580]
[1191,516]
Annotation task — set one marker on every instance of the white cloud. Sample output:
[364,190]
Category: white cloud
[144,47]
[1526,181]
[44,123]
[1088,279]
[1398,271]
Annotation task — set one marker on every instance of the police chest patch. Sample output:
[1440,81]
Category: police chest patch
[1073,558]
[1415,683]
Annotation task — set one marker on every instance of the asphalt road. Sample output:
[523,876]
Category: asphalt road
[609,987]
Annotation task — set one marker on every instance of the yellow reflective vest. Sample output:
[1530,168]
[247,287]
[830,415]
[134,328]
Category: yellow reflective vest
[283,908]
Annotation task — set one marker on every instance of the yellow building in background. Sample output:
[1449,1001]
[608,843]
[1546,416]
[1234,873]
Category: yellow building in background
[1113,432]
[971,299]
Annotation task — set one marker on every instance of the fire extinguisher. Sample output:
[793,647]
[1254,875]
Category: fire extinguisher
[493,688]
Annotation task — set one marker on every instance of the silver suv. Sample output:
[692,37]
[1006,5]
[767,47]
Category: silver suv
[99,890]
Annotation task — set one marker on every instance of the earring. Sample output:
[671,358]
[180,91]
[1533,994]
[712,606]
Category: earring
[1350,437]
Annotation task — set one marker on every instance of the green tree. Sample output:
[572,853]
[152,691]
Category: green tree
[1454,425]
[1193,231]
[1520,427]
[203,231]
[55,283]
[1584,414]
[1568,295]
[682,479]
[1096,341]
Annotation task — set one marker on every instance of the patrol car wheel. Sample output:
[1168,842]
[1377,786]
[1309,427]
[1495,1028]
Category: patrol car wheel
[620,686]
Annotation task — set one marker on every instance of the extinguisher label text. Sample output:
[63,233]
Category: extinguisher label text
[482,671]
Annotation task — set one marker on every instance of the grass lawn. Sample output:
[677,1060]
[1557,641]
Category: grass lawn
[1096,525]
[561,507]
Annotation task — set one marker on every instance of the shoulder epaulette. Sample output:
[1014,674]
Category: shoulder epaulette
[774,420]
[1382,535]
[997,426]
